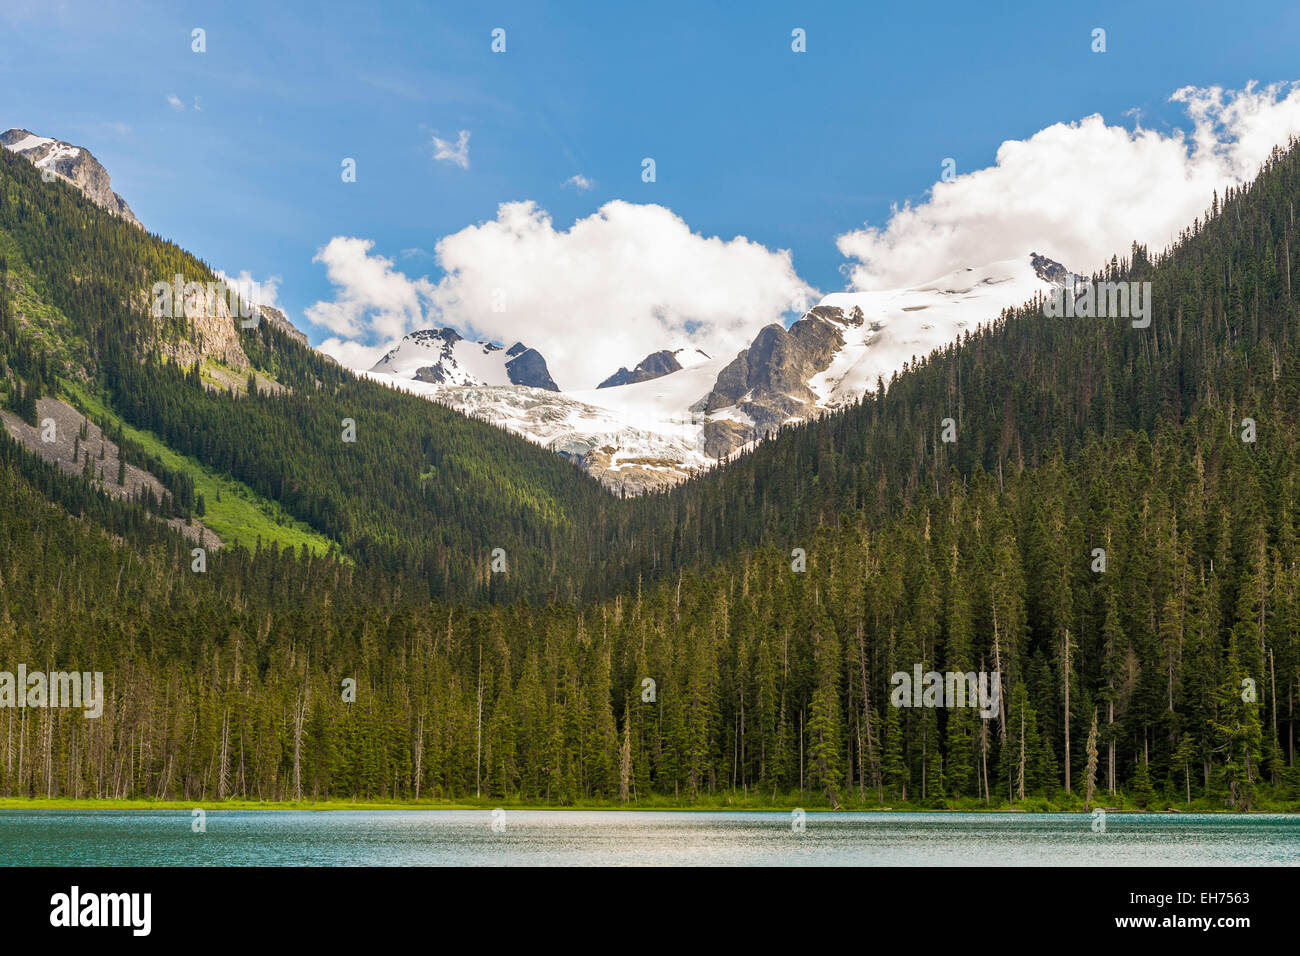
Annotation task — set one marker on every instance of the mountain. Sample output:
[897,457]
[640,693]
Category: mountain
[654,365]
[279,320]
[979,554]
[851,343]
[443,357]
[74,164]
[213,340]
[633,438]
[681,412]
[245,430]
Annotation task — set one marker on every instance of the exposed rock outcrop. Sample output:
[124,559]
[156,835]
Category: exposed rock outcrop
[767,383]
[75,164]
[652,366]
[279,320]
[527,367]
[1049,270]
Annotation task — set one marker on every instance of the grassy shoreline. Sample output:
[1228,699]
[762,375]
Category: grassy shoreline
[63,803]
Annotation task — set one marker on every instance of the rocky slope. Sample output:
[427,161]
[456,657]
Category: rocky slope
[75,164]
[279,320]
[57,439]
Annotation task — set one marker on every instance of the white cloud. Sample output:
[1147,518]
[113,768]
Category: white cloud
[458,154]
[619,284]
[580,183]
[353,354]
[174,102]
[264,292]
[1080,192]
[631,279]
[374,301]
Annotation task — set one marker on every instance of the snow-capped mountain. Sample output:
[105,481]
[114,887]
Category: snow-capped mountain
[652,431]
[633,438]
[75,164]
[656,364]
[443,357]
[850,342]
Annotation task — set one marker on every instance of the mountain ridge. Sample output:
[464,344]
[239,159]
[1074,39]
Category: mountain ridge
[654,426]
[442,356]
[73,164]
[663,362]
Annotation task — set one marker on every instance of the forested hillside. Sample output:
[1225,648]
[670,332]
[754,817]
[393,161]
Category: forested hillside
[980,554]
[765,680]
[428,494]
[1223,335]
[422,492]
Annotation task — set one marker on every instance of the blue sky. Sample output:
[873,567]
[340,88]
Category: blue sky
[749,138]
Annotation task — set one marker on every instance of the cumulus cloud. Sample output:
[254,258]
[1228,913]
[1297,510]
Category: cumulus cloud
[626,281]
[458,154]
[374,301]
[174,102]
[355,355]
[631,279]
[580,183]
[259,292]
[1079,192]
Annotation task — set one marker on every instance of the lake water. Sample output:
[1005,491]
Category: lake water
[631,837]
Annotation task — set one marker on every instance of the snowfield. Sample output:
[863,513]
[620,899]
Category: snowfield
[647,435]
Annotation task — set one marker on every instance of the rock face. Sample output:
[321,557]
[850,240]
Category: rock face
[200,328]
[652,366]
[767,383]
[527,367]
[655,365]
[1049,270]
[279,320]
[75,164]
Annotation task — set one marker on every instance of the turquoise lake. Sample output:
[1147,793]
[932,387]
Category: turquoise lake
[631,837]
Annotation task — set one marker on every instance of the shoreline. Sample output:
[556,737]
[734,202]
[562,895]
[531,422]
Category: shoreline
[41,803]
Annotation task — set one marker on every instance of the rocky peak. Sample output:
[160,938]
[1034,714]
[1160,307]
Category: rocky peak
[655,365]
[527,367]
[445,357]
[767,383]
[277,319]
[74,164]
[1049,270]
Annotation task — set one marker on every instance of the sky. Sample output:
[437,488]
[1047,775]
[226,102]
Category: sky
[505,192]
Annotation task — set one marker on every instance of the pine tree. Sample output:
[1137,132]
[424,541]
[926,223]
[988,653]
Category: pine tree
[1091,770]
[1143,792]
